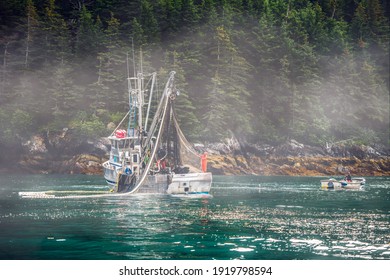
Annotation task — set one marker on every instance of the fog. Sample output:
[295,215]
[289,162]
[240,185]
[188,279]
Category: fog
[249,79]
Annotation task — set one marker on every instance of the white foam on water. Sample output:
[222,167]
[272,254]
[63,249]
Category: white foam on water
[242,249]
[321,248]
[306,241]
[288,206]
[272,240]
[226,244]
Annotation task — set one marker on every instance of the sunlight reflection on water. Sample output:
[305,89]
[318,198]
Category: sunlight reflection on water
[246,218]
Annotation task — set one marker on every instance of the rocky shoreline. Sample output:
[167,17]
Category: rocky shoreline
[62,153]
[298,166]
[295,159]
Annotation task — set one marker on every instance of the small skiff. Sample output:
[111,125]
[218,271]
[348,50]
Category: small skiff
[333,184]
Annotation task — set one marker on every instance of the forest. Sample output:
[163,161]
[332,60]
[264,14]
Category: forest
[263,71]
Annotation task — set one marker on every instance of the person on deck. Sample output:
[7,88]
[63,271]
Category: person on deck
[348,177]
[146,159]
[203,161]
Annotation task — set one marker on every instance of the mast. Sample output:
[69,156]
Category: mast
[139,98]
[140,93]
[150,100]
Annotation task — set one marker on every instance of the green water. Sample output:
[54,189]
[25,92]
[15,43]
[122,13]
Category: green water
[251,217]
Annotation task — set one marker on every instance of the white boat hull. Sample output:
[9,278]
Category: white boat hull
[330,184]
[190,183]
[110,173]
[342,185]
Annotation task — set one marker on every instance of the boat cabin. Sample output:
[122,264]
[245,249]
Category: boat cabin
[125,152]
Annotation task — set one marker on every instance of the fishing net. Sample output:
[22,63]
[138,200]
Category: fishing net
[188,155]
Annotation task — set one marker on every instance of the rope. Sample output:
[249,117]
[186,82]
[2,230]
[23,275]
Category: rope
[120,123]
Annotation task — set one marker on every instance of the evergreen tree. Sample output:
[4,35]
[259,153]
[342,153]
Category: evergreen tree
[149,22]
[63,94]
[32,32]
[215,124]
[89,35]
[5,75]
[56,40]
[189,13]
[369,24]
[168,14]
[229,89]
[208,11]
[138,33]
[270,82]
[184,107]
[111,68]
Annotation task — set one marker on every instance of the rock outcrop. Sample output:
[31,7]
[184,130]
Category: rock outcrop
[62,153]
[296,159]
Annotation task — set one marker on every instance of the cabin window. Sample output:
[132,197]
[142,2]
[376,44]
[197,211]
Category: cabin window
[135,158]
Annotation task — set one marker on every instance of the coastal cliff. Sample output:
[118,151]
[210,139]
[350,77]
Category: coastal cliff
[54,153]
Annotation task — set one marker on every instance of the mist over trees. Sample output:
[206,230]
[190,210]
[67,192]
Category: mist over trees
[259,70]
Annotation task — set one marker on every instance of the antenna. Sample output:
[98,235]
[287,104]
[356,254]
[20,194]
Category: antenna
[140,54]
[132,49]
[127,64]
[128,90]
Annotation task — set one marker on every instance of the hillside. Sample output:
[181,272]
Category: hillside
[260,71]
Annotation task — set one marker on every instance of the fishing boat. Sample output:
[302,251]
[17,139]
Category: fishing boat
[354,183]
[151,154]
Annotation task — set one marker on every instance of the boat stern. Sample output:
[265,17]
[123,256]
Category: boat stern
[190,183]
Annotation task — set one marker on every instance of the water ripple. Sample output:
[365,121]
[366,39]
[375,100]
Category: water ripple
[246,218]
